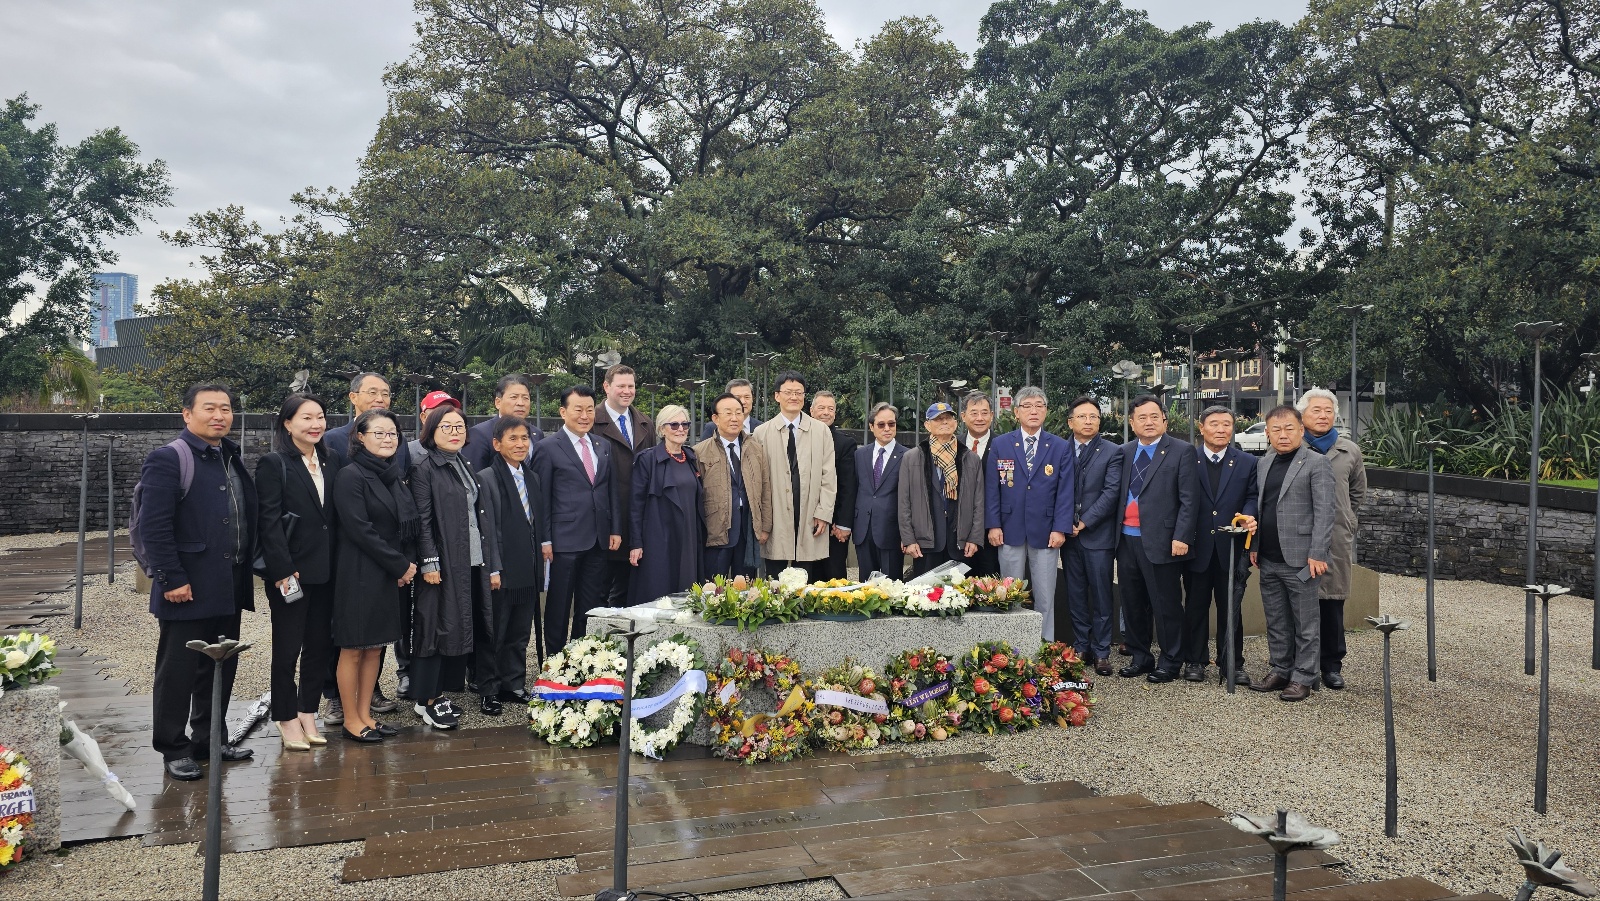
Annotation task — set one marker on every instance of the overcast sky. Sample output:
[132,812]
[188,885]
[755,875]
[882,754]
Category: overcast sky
[249,104]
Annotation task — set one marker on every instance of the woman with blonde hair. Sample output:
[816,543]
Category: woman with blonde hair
[667,529]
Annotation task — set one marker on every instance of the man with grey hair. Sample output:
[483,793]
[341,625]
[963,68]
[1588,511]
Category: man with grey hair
[1028,501]
[1319,410]
[746,393]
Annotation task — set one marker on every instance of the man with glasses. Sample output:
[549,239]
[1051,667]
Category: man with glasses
[877,524]
[799,452]
[513,398]
[1090,551]
[1159,511]
[1028,501]
[977,415]
[825,409]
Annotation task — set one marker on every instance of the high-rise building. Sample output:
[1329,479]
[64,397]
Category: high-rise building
[114,294]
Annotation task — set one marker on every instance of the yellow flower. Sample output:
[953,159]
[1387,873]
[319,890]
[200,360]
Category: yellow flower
[6,852]
[12,774]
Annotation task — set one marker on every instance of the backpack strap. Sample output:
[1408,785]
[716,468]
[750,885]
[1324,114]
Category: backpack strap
[185,465]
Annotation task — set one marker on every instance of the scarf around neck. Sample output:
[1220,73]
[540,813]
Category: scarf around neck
[1324,443]
[388,471]
[945,455]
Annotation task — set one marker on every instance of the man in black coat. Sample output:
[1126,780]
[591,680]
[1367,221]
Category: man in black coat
[368,391]
[198,536]
[578,501]
[625,432]
[1090,551]
[1158,511]
[513,397]
[510,490]
[1227,489]
[825,409]
[977,415]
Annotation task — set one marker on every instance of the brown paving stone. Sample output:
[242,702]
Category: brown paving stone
[947,838]
[735,882]
[1244,888]
[600,860]
[1034,887]
[667,873]
[1157,846]
[1077,806]
[873,790]
[905,879]
[414,861]
[1410,888]
[1186,869]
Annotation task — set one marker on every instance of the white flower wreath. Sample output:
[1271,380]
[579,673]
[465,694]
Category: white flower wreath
[682,654]
[579,723]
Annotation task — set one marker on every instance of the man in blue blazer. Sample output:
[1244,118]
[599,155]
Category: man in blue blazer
[1227,478]
[1159,509]
[1090,551]
[513,398]
[198,541]
[876,526]
[576,500]
[1028,501]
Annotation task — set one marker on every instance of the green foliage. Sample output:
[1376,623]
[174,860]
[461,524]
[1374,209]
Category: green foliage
[125,393]
[1494,446]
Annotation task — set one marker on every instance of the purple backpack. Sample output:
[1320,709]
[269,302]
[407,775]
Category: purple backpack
[185,479]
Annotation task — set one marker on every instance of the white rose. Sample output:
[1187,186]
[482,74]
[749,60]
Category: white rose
[793,578]
[16,660]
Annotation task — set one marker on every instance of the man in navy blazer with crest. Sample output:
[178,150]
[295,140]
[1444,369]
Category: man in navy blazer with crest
[1028,494]
[583,520]
[1227,477]
[1091,549]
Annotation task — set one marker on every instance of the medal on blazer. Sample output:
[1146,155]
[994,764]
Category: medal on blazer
[1008,470]
[1049,470]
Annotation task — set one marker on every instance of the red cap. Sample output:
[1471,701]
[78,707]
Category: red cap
[435,398]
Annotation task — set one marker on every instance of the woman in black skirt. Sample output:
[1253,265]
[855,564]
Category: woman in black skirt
[460,566]
[378,527]
[295,487]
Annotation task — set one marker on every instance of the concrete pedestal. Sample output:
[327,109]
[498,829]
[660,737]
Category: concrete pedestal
[30,724]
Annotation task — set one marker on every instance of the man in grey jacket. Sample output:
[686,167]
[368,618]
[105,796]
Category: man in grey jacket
[1294,532]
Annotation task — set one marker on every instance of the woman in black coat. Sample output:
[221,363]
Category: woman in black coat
[668,531]
[378,527]
[460,565]
[294,488]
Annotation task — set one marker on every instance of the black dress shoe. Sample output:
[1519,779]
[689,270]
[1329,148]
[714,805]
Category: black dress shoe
[490,706]
[1240,677]
[403,688]
[386,730]
[230,754]
[1333,679]
[514,697]
[1123,650]
[368,736]
[1194,672]
[183,769]
[1159,676]
[1130,671]
[1273,682]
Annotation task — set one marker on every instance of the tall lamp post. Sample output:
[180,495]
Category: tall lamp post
[1354,311]
[1190,328]
[1594,585]
[1535,332]
[1391,777]
[111,507]
[464,379]
[746,337]
[1301,345]
[705,360]
[225,649]
[688,385]
[763,377]
[1128,371]
[1025,351]
[417,380]
[1041,351]
[654,389]
[538,379]
[994,369]
[867,359]
[916,414]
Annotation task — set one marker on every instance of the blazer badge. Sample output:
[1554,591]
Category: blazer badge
[1049,470]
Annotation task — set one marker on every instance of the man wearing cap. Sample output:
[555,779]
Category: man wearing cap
[1227,489]
[941,496]
[1090,552]
[512,397]
[1027,495]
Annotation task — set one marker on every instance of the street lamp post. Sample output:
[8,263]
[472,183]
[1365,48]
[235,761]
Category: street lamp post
[1127,371]
[994,370]
[705,359]
[763,370]
[746,337]
[1535,332]
[1354,311]
[654,389]
[916,414]
[1301,345]
[1025,350]
[1190,328]
[867,359]
[1041,351]
[538,379]
[1594,584]
[111,508]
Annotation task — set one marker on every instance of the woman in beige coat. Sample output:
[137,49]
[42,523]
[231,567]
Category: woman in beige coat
[803,485]
[1319,410]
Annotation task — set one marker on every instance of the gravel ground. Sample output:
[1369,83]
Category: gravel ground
[1466,749]
[46,539]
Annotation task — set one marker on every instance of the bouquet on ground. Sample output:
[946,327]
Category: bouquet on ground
[1003,687]
[998,592]
[744,603]
[1062,673]
[664,668]
[923,702]
[26,658]
[750,737]
[577,701]
[852,711]
[945,598]
[842,597]
[16,784]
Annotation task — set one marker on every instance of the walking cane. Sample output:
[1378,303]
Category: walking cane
[1232,530]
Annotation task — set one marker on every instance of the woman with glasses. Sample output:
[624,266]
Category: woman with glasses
[460,566]
[378,527]
[667,532]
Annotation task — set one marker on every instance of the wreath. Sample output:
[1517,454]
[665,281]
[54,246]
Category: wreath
[1062,673]
[751,738]
[680,653]
[933,600]
[1002,688]
[922,696]
[742,603]
[852,723]
[16,804]
[842,597]
[576,701]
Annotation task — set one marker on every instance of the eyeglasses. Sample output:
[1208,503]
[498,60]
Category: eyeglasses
[675,425]
[1032,405]
[375,392]
[452,428]
[888,424]
[792,392]
[382,436]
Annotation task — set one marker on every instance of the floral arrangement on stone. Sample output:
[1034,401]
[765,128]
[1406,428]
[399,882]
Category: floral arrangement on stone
[844,598]
[1002,687]
[754,737]
[744,603]
[26,658]
[852,710]
[922,697]
[998,593]
[680,654]
[16,804]
[1062,672]
[933,600]
[577,699]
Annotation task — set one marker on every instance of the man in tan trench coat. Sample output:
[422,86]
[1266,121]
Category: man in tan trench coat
[799,452]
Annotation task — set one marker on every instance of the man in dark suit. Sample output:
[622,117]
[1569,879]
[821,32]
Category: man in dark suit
[1090,551]
[578,501]
[199,540]
[1159,512]
[626,432]
[1227,489]
[1028,496]
[876,526]
[513,397]
[511,492]
[977,415]
[368,391]
[825,409]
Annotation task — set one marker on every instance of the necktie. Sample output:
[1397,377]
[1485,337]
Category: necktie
[588,458]
[1078,460]
[738,471]
[974,445]
[1029,446]
[794,480]
[877,470]
[1140,464]
[522,492]
[622,423]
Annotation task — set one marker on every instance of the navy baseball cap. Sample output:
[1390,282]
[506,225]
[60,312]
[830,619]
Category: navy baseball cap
[939,409]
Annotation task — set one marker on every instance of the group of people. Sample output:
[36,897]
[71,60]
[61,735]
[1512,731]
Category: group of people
[442,545]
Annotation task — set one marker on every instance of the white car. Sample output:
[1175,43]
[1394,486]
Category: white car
[1252,440]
